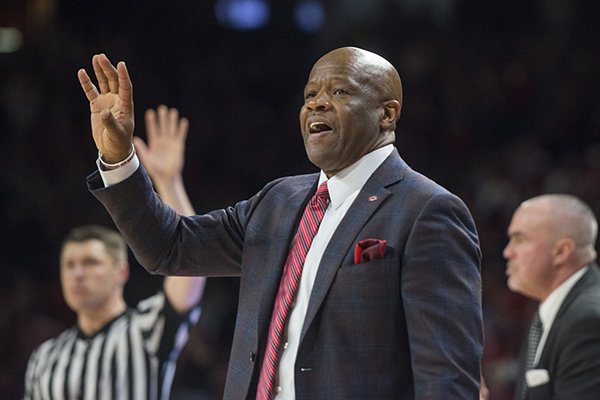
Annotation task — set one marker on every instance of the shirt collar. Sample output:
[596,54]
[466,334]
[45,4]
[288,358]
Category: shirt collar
[549,307]
[352,178]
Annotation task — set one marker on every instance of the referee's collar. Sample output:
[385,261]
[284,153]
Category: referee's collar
[81,334]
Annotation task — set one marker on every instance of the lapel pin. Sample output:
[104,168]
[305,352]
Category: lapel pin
[372,198]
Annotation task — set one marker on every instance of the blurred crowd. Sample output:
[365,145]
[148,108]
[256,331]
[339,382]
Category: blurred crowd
[501,103]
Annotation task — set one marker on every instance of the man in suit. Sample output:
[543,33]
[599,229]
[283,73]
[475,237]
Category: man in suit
[551,258]
[387,301]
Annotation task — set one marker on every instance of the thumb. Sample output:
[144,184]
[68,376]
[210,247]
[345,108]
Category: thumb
[140,148]
[118,145]
[109,122]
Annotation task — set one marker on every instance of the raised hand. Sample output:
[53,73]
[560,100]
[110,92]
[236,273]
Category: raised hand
[164,155]
[111,108]
[166,133]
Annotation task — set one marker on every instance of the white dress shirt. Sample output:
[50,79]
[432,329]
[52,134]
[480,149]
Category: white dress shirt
[549,308]
[117,175]
[343,189]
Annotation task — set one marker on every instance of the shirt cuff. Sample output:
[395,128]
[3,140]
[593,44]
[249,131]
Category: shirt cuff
[114,176]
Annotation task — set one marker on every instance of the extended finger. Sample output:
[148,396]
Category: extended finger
[110,72]
[140,148]
[163,120]
[150,118]
[86,84]
[125,87]
[100,75]
[184,125]
[173,121]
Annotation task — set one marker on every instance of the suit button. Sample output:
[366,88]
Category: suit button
[252,356]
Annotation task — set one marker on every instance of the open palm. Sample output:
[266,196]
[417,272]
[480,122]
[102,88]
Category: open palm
[111,107]
[164,154]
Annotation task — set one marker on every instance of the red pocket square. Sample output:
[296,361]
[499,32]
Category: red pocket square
[368,250]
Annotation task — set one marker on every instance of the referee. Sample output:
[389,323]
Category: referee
[117,352]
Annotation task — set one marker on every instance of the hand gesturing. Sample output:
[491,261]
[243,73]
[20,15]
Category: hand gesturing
[111,109]
[164,154]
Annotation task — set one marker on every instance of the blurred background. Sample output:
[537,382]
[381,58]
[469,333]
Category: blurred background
[501,103]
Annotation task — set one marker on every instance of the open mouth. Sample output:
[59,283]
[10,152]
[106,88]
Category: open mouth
[318,127]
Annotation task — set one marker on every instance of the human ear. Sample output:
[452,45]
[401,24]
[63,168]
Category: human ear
[123,272]
[563,248]
[391,113]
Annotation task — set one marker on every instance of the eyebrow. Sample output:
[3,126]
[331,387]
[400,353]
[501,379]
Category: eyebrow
[514,234]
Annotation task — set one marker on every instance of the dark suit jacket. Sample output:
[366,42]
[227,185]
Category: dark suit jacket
[408,326]
[571,354]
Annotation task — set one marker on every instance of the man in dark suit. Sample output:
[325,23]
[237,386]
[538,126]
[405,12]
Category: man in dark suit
[551,258]
[388,303]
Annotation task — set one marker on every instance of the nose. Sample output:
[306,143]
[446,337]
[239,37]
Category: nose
[506,253]
[319,102]
[78,270]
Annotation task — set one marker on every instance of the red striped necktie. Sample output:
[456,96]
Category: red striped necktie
[290,280]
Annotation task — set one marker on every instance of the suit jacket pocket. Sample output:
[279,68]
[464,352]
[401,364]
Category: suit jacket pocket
[541,392]
[371,278]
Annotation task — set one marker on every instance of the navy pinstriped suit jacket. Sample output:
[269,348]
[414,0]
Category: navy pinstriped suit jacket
[408,326]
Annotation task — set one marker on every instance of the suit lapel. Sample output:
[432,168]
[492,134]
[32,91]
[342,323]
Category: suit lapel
[591,277]
[370,198]
[288,223]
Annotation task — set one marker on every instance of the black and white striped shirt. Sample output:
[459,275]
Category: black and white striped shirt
[132,357]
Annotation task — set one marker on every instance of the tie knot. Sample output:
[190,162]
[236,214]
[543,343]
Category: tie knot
[322,191]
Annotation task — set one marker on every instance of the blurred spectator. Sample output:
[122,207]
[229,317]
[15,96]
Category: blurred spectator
[502,104]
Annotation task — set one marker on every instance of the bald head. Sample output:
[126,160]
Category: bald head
[551,237]
[566,216]
[375,70]
[351,107]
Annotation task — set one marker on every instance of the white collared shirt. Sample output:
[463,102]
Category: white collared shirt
[343,189]
[549,307]
[115,176]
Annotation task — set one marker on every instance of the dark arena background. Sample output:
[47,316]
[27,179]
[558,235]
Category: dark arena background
[501,103]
